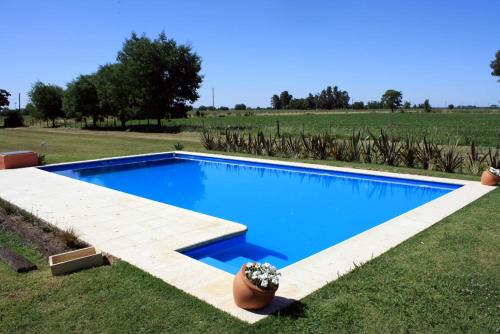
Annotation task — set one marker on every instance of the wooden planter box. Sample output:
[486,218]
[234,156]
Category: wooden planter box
[69,262]
[18,159]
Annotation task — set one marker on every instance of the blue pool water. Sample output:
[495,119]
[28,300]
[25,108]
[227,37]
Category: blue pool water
[291,213]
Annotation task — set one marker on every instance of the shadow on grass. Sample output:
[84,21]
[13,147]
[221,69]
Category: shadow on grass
[294,311]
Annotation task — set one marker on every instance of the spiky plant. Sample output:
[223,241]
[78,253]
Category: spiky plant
[354,146]
[493,157]
[408,152]
[367,151]
[450,159]
[474,159]
[208,139]
[426,152]
[295,146]
[338,150]
[387,146]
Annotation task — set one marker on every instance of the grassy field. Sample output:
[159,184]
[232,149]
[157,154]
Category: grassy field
[445,279]
[483,128]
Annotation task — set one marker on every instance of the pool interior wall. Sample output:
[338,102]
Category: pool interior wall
[291,212]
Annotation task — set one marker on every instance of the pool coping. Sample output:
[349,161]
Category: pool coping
[148,234]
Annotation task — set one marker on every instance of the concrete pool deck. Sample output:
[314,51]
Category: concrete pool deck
[148,234]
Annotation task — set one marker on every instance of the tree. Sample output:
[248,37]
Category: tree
[392,99]
[276,102]
[47,100]
[240,106]
[31,110]
[164,75]
[451,106]
[373,105]
[81,99]
[13,119]
[332,98]
[115,93]
[427,106]
[495,65]
[407,105]
[298,104]
[358,105]
[311,101]
[285,99]
[4,99]
[223,108]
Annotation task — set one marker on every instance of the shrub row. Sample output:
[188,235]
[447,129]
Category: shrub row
[383,147]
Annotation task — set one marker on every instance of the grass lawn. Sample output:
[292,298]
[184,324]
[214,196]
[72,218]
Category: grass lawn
[445,279]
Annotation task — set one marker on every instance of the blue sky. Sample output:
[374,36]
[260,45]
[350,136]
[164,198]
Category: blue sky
[439,50]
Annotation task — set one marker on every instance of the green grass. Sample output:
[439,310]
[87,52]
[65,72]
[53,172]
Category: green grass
[445,279]
[482,127]
[77,145]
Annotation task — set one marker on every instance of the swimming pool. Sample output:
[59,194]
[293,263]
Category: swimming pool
[291,212]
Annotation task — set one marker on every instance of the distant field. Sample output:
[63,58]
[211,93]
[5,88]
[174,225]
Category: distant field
[481,127]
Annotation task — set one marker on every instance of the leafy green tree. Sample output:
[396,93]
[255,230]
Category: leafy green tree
[451,106]
[332,98]
[298,104]
[358,105]
[276,102]
[163,75]
[81,99]
[392,99]
[4,99]
[285,99]
[311,101]
[240,106]
[495,65]
[13,119]
[115,93]
[223,108]
[32,111]
[427,106]
[47,100]
[407,105]
[374,105]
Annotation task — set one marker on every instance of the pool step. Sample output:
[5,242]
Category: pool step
[219,264]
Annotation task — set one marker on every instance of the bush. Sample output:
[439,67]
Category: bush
[240,106]
[13,119]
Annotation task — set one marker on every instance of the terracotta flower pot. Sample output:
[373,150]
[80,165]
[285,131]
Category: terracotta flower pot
[248,296]
[489,179]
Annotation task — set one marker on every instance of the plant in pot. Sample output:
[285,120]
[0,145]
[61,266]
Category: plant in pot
[490,177]
[255,285]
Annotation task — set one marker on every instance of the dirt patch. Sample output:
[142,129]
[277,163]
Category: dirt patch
[47,240]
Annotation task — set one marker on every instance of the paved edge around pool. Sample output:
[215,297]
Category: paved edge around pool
[147,234]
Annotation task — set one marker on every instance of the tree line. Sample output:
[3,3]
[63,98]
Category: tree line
[328,98]
[151,79]
[334,98]
[159,78]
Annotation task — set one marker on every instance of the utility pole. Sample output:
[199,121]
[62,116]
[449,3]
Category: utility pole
[19,99]
[213,99]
